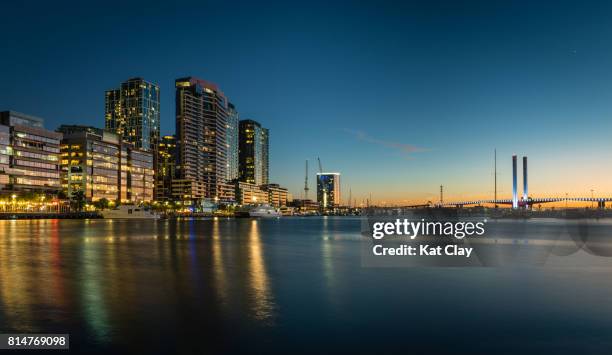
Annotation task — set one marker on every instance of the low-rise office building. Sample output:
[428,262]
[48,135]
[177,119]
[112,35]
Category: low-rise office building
[98,163]
[277,196]
[247,193]
[141,175]
[5,155]
[226,193]
[304,206]
[90,162]
[29,155]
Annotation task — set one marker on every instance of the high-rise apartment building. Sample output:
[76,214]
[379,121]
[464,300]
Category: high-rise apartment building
[132,112]
[201,123]
[231,137]
[29,154]
[328,190]
[253,153]
[265,157]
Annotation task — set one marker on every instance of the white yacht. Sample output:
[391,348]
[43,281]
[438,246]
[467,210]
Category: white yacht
[129,212]
[263,211]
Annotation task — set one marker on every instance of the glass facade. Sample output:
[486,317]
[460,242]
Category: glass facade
[328,190]
[253,153]
[29,154]
[167,168]
[90,162]
[96,162]
[5,153]
[140,176]
[132,111]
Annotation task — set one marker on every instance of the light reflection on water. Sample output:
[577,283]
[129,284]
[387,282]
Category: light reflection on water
[273,284]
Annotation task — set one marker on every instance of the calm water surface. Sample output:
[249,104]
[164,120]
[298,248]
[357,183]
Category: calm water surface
[293,285]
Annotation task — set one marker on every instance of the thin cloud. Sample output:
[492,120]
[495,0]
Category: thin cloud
[406,149]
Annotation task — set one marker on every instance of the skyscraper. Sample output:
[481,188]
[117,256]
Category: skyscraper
[231,137]
[265,156]
[253,153]
[132,112]
[328,190]
[201,123]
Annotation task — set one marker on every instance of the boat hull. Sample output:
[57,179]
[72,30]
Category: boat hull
[264,215]
[125,212]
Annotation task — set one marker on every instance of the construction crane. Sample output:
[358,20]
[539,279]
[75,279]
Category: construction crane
[306,182]
[320,166]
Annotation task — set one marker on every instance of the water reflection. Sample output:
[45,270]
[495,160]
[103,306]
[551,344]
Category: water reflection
[16,281]
[327,257]
[92,291]
[262,299]
[201,282]
[101,270]
[220,272]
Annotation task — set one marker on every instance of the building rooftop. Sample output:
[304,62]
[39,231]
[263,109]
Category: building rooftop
[20,118]
[197,81]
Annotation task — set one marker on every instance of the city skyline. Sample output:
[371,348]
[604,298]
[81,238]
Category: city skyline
[418,104]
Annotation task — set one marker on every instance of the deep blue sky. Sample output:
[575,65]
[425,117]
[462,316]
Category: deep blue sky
[358,84]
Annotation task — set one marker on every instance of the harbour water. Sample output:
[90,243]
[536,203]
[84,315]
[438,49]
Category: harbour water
[289,285]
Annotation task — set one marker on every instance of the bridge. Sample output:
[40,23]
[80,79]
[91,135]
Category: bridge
[601,201]
[524,201]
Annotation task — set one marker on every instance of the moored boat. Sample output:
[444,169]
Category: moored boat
[261,211]
[129,212]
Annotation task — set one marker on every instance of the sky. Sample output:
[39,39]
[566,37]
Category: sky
[400,97]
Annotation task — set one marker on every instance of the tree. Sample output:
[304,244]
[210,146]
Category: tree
[102,204]
[28,196]
[77,201]
[62,195]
